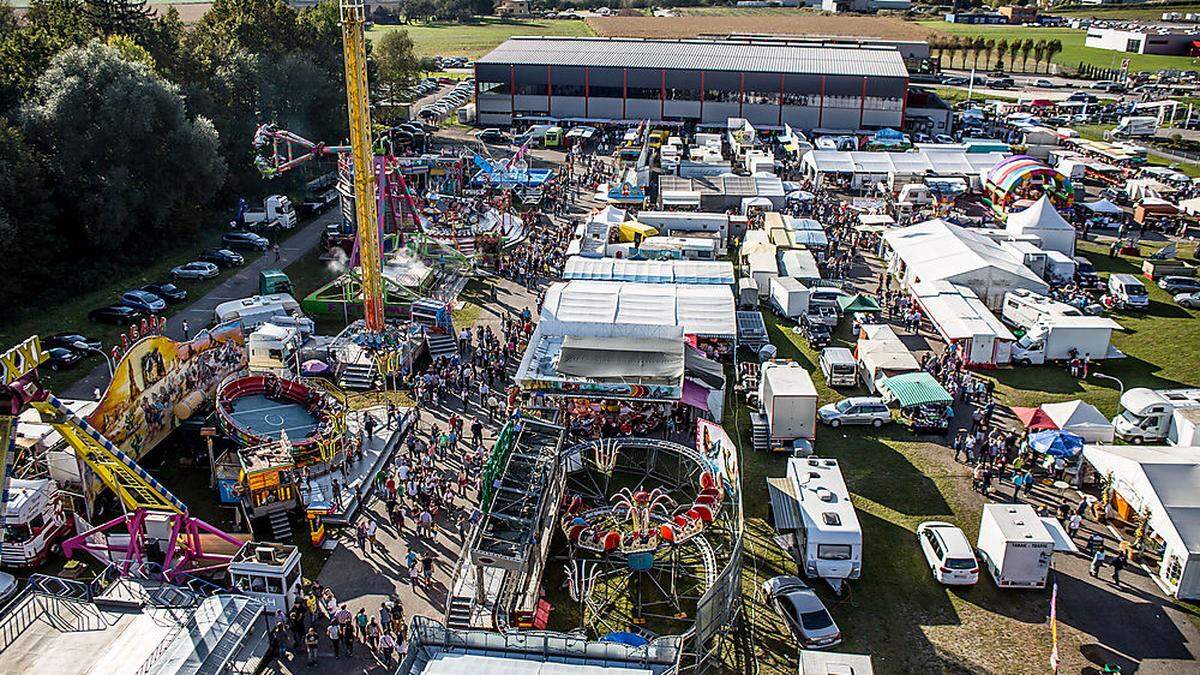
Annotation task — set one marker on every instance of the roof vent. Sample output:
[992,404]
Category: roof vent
[825,494]
[264,554]
[831,518]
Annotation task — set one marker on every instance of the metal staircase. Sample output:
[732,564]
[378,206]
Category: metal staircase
[357,376]
[760,436]
[231,640]
[458,613]
[440,336]
[281,526]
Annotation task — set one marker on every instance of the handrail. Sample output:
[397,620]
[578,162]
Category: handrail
[18,615]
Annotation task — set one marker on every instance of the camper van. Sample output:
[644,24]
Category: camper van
[1128,290]
[1149,416]
[839,367]
[274,349]
[256,310]
[1023,308]
[828,538]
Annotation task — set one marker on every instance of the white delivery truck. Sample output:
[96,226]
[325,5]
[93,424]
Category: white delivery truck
[788,400]
[1134,127]
[789,297]
[1149,416]
[1014,545]
[277,213]
[839,367]
[1061,338]
[1022,308]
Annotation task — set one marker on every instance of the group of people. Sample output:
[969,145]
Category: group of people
[317,624]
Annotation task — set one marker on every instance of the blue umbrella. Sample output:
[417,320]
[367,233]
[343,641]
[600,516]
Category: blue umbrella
[1056,443]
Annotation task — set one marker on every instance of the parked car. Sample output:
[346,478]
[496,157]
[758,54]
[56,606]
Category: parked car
[120,315]
[143,301]
[803,612]
[492,136]
[856,410]
[61,358]
[1189,300]
[68,341]
[944,139]
[1044,83]
[954,81]
[222,257]
[1176,285]
[948,553]
[8,587]
[167,291]
[195,270]
[816,333]
[247,241]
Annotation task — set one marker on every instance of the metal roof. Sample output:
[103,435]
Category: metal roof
[699,55]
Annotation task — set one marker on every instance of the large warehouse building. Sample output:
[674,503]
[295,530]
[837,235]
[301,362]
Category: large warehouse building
[828,87]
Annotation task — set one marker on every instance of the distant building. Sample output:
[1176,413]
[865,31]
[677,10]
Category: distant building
[865,6]
[513,8]
[991,18]
[1019,15]
[1146,40]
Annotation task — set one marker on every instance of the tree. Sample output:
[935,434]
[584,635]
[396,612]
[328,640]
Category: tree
[117,17]
[396,58]
[1039,52]
[131,172]
[1001,51]
[26,213]
[989,46]
[1026,48]
[1014,48]
[49,27]
[130,50]
[1053,48]
[977,48]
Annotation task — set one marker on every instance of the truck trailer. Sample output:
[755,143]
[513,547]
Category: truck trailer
[1014,545]
[1061,338]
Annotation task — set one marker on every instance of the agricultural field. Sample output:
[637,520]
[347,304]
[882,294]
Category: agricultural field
[747,20]
[1073,52]
[476,39]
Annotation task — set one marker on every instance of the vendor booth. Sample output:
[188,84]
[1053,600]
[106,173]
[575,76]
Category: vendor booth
[1077,417]
[924,404]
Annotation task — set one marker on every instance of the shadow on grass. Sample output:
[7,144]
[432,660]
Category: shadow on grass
[1138,630]
[878,472]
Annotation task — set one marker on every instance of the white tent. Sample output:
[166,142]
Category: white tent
[704,310]
[1104,206]
[939,251]
[1081,419]
[1044,222]
[1165,481]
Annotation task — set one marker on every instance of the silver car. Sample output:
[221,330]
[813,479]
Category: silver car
[803,612]
[1189,300]
[195,270]
[856,410]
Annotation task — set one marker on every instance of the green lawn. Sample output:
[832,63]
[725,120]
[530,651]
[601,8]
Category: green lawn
[1073,52]
[476,39]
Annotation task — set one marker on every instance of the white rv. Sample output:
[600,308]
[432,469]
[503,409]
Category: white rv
[828,537]
[256,310]
[1023,308]
[1150,416]
[274,349]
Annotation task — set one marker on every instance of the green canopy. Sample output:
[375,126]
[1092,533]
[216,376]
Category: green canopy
[913,389]
[858,303]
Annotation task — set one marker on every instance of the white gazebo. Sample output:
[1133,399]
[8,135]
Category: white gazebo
[1044,222]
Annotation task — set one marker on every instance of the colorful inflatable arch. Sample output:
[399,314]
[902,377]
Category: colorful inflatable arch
[1022,178]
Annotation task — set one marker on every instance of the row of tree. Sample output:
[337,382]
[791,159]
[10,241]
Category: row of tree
[122,134]
[1001,54]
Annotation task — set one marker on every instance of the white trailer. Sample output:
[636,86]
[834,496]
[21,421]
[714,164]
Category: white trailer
[1014,545]
[788,399]
[256,310]
[1060,268]
[1060,338]
[763,267]
[828,537]
[839,367]
[789,297]
[1023,308]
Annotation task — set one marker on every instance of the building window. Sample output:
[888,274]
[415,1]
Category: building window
[566,90]
[648,93]
[1133,45]
[497,88]
[722,96]
[682,94]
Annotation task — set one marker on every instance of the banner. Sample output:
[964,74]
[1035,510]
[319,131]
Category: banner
[152,380]
[721,453]
[1054,628]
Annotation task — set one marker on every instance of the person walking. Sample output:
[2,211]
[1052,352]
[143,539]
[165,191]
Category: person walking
[335,638]
[1097,561]
[1073,524]
[187,333]
[1118,564]
[360,622]
[275,250]
[310,646]
[387,644]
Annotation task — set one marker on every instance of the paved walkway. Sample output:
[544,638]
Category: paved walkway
[242,284]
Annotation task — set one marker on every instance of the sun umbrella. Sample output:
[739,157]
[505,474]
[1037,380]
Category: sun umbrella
[313,367]
[1056,443]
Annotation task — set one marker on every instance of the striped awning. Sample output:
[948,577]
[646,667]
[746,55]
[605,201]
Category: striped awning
[913,389]
[785,509]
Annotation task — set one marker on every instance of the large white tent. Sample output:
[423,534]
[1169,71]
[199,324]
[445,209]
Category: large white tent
[1045,223]
[1165,481]
[939,251]
[703,310]
[719,272]
[1081,419]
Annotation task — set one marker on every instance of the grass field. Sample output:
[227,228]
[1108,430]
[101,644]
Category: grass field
[757,20]
[1073,52]
[476,39]
[1149,12]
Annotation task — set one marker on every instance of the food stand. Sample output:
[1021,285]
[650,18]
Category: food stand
[924,404]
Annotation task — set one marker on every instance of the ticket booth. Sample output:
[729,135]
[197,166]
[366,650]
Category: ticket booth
[267,572]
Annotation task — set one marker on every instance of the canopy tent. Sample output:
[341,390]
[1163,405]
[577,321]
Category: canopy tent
[631,230]
[1056,443]
[795,224]
[619,358]
[690,272]
[858,303]
[704,370]
[1081,419]
[914,389]
[1103,206]
[702,310]
[1034,418]
[1044,222]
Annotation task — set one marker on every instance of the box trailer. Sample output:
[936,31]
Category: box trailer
[763,267]
[789,297]
[1014,545]
[1060,338]
[788,400]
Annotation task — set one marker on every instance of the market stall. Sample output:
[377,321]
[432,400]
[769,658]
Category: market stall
[924,404]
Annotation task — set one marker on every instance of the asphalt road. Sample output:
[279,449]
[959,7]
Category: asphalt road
[243,284]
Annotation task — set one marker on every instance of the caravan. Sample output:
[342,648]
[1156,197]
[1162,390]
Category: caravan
[818,514]
[1023,308]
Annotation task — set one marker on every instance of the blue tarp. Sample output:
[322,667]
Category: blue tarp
[1056,443]
[631,639]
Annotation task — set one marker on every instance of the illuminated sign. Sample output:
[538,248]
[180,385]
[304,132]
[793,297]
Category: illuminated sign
[22,359]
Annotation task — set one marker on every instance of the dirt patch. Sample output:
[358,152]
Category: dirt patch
[806,25]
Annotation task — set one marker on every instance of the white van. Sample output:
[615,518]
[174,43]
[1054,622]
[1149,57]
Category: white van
[839,367]
[1129,290]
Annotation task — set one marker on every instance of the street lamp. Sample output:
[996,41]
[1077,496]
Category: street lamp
[1120,387]
[107,360]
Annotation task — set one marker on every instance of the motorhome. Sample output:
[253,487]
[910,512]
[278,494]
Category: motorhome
[274,349]
[256,310]
[828,538]
[1014,545]
[33,521]
[1150,416]
[1023,308]
[839,367]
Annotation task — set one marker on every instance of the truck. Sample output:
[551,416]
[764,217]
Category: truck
[1133,127]
[277,213]
[789,297]
[1022,308]
[1014,545]
[274,281]
[787,399]
[1150,416]
[1061,338]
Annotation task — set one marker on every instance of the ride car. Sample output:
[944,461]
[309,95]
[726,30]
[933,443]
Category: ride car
[119,315]
[856,410]
[167,291]
[198,269]
[143,301]
[222,257]
[805,615]
[948,553]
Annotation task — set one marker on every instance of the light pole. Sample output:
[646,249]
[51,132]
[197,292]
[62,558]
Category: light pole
[107,360]
[1120,387]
